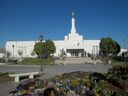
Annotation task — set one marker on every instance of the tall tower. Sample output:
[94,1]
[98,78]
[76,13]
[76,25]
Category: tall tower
[73,35]
[73,29]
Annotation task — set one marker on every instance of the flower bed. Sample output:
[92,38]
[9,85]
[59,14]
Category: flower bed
[69,84]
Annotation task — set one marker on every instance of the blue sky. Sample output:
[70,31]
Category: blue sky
[25,20]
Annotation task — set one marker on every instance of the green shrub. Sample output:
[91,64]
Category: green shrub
[120,58]
[37,61]
[2,60]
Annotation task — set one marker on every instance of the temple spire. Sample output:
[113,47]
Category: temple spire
[72,14]
[73,29]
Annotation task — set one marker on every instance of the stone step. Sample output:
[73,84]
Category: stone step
[77,61]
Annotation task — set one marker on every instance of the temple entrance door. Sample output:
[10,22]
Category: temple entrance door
[76,52]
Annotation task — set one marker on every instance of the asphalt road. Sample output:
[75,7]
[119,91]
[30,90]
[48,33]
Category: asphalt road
[55,69]
[49,71]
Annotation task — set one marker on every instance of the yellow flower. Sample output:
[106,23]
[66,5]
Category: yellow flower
[74,82]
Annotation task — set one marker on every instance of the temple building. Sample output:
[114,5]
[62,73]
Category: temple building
[73,45]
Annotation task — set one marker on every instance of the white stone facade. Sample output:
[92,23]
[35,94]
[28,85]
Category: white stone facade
[1,55]
[73,45]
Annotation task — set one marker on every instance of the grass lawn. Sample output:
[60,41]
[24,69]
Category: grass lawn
[114,61]
[37,61]
[117,63]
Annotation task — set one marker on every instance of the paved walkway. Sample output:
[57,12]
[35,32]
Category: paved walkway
[50,71]
[57,70]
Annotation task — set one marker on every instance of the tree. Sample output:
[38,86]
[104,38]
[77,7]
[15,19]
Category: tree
[109,46]
[8,54]
[44,48]
[39,48]
[33,53]
[50,47]
[62,54]
[118,48]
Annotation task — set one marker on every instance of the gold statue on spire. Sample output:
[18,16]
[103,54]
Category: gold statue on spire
[73,14]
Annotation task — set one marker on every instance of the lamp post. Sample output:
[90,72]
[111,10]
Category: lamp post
[41,39]
[13,50]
